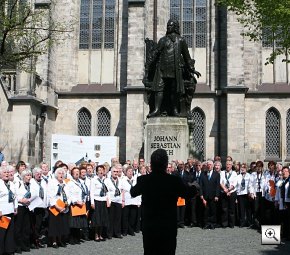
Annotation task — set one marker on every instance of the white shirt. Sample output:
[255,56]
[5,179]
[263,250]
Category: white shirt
[47,177]
[111,190]
[247,187]
[96,188]
[21,192]
[256,179]
[86,183]
[35,186]
[75,191]
[5,206]
[232,178]
[52,190]
[278,197]
[126,187]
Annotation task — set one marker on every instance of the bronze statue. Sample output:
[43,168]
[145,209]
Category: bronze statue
[169,74]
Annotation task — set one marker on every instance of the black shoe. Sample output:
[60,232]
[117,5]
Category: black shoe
[132,234]
[208,226]
[137,231]
[40,245]
[212,226]
[181,226]
[119,236]
[124,234]
[26,249]
[61,244]
[54,245]
[33,246]
[18,250]
[72,242]
[109,237]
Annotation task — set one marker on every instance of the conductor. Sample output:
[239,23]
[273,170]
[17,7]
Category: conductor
[160,192]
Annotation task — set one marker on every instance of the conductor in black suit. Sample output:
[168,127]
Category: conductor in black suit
[209,194]
[160,192]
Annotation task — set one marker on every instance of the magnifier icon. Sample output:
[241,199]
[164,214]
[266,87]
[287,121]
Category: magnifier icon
[270,233]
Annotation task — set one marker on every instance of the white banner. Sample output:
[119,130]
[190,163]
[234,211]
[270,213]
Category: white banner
[74,149]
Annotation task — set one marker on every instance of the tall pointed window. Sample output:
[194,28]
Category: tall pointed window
[273,150]
[84,122]
[97,24]
[103,122]
[198,134]
[288,133]
[192,16]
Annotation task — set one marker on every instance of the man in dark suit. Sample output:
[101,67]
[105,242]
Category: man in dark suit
[186,178]
[159,198]
[196,206]
[209,194]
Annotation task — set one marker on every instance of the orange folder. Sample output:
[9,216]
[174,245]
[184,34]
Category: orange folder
[77,210]
[54,211]
[180,201]
[4,222]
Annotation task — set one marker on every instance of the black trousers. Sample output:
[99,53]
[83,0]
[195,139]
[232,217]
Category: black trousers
[244,210]
[196,208]
[115,216]
[268,216]
[37,218]
[22,228]
[129,219]
[228,209]
[138,222]
[180,214]
[7,243]
[256,206]
[162,244]
[286,221]
[210,216]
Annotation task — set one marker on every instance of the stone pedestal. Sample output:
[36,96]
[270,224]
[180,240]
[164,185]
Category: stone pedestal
[168,133]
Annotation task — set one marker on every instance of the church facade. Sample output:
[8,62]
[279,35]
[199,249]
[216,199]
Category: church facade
[91,83]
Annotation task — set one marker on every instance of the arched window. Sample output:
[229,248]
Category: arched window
[273,134]
[103,122]
[198,134]
[84,122]
[288,133]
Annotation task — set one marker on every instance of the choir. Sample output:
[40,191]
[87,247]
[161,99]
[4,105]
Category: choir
[72,204]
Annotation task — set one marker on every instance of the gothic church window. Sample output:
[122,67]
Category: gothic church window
[84,122]
[273,134]
[278,71]
[97,24]
[192,17]
[288,133]
[198,134]
[103,122]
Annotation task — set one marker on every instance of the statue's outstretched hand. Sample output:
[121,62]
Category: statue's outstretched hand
[198,74]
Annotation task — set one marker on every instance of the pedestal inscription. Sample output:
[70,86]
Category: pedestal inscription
[168,133]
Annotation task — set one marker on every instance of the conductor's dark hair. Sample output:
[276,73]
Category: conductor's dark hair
[159,161]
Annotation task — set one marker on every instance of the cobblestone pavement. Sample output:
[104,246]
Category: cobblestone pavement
[190,241]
